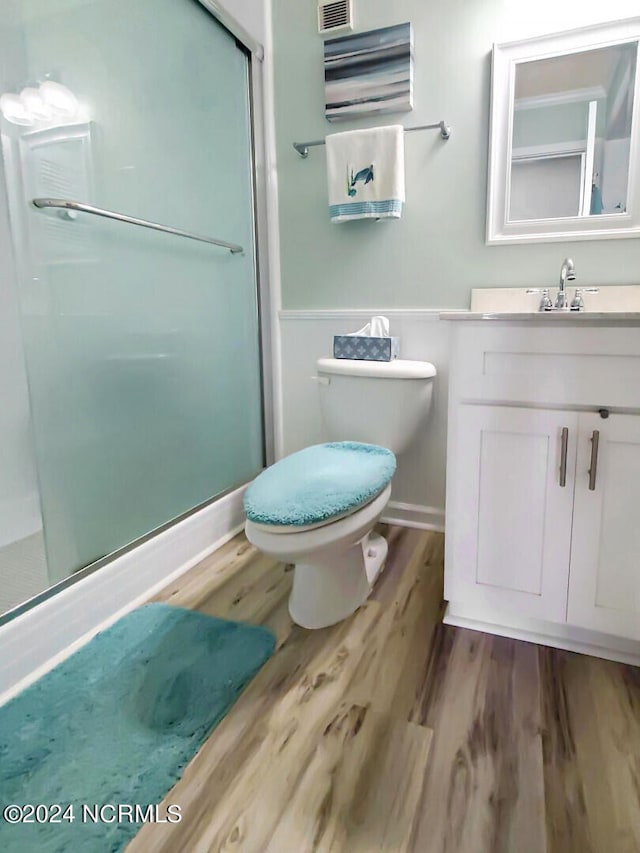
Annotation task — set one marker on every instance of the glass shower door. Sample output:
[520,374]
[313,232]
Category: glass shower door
[142,348]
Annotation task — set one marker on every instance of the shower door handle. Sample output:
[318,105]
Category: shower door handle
[68,205]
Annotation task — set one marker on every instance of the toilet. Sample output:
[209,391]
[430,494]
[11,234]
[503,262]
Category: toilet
[317,508]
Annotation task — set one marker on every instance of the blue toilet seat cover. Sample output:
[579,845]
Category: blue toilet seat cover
[318,483]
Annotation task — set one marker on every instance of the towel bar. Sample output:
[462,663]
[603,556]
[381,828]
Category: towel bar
[445,132]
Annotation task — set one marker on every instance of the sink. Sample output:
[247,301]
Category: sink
[516,300]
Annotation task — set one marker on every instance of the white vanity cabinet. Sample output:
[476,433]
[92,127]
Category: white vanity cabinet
[509,519]
[543,490]
[604,574]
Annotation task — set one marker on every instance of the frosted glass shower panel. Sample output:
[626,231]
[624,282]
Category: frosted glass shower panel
[142,347]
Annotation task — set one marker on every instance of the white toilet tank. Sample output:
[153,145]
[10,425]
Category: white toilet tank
[379,402]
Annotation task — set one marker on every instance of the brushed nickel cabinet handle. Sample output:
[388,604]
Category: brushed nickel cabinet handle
[593,470]
[563,455]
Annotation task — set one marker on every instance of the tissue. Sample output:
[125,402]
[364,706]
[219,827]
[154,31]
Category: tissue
[377,328]
[370,343]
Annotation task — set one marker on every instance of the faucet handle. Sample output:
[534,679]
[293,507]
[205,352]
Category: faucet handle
[545,303]
[577,303]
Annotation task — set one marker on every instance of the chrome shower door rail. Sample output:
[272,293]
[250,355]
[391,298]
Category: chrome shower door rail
[65,204]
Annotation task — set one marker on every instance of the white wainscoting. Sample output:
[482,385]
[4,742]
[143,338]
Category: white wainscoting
[43,636]
[419,485]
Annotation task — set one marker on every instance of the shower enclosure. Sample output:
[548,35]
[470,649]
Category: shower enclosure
[130,356]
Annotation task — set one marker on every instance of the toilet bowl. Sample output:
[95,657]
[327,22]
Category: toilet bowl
[336,564]
[321,519]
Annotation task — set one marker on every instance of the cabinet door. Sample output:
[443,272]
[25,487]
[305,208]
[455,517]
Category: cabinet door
[509,512]
[604,588]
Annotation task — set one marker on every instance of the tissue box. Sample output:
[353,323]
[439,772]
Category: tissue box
[365,348]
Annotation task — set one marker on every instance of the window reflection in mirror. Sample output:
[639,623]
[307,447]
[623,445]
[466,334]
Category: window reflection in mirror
[572,134]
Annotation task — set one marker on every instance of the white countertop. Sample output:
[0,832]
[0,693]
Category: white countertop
[610,304]
[601,317]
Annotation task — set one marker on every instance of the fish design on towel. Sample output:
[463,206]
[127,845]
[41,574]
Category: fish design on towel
[365,175]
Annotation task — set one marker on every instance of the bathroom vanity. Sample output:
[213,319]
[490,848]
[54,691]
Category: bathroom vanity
[543,478]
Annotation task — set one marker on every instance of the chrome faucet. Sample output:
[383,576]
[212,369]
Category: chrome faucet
[567,273]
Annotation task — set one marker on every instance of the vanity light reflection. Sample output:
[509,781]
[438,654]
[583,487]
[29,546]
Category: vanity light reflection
[49,102]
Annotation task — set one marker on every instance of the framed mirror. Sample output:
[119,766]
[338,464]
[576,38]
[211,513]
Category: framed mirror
[564,140]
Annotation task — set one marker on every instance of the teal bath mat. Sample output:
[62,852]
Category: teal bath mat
[115,724]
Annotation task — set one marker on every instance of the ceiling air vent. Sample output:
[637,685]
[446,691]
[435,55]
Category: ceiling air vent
[334,15]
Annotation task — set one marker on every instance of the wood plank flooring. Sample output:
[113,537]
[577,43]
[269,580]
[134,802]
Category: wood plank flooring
[392,733]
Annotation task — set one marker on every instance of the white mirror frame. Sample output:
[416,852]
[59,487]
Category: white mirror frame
[505,60]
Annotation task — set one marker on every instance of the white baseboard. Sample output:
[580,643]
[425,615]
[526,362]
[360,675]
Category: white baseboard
[43,636]
[414,515]
[567,637]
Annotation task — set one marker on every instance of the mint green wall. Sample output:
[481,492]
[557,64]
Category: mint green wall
[436,253]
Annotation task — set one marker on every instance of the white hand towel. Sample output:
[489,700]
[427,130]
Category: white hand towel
[365,173]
